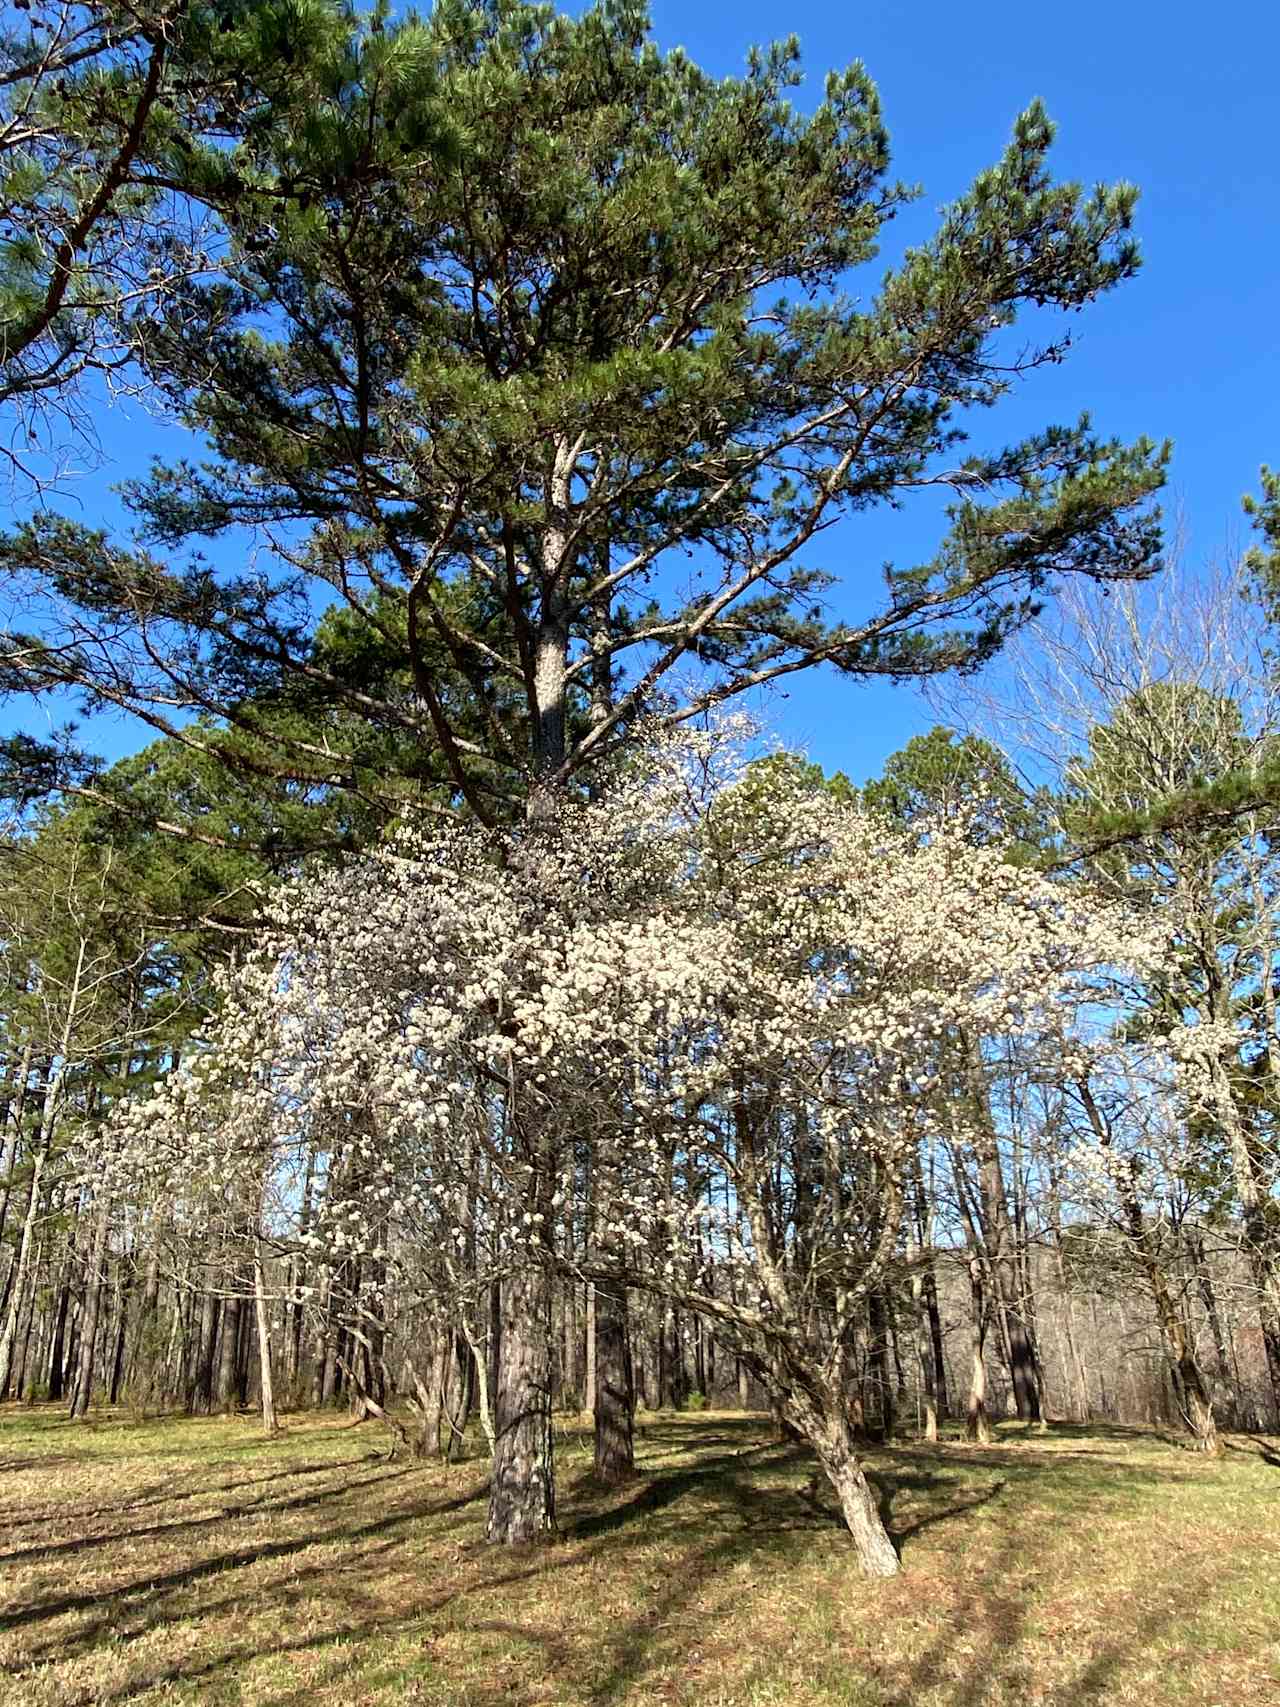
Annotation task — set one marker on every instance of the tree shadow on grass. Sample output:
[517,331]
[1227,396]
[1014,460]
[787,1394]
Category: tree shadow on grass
[992,1626]
[704,1534]
[1256,1448]
[723,1478]
[255,1508]
[384,1625]
[748,1520]
[230,1561]
[165,1493]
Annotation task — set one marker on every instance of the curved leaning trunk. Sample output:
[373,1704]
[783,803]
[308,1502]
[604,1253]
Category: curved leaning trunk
[821,1419]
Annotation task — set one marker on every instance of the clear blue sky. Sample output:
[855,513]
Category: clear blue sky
[1181,101]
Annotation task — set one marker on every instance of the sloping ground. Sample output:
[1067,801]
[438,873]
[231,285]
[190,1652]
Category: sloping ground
[191,1561]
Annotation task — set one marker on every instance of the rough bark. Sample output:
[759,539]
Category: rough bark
[820,1418]
[614,1445]
[925,1365]
[201,1400]
[14,1107]
[522,1488]
[18,1275]
[57,1347]
[226,1395]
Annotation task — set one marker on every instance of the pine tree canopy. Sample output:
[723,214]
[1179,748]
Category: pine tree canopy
[550,361]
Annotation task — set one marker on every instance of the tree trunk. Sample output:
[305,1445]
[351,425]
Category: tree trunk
[118,1334]
[589,1396]
[614,1446]
[201,1401]
[58,1345]
[15,1106]
[20,1379]
[522,1488]
[456,1389]
[977,1424]
[877,1358]
[925,1364]
[92,1308]
[225,1397]
[1004,1268]
[269,1423]
[821,1420]
[18,1273]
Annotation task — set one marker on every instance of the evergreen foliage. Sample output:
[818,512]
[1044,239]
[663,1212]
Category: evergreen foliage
[539,353]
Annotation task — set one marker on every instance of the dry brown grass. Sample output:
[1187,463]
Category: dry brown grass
[192,1561]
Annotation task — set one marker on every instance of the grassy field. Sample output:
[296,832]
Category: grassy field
[192,1561]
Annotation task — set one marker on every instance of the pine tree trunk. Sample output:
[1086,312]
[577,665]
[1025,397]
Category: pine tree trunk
[118,1333]
[15,1107]
[18,1273]
[92,1308]
[522,1488]
[144,1351]
[20,1380]
[205,1341]
[614,1446]
[878,1362]
[229,1352]
[58,1344]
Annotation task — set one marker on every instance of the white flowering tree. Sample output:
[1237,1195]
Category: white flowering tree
[729,980]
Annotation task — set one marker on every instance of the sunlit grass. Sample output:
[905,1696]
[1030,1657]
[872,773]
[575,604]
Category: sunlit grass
[193,1561]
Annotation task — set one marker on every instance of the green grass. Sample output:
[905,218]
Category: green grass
[192,1561]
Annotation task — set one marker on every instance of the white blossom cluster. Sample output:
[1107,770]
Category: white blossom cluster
[696,1023]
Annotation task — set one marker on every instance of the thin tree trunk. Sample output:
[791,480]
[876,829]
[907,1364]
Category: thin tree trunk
[15,1106]
[265,1382]
[118,1334]
[1011,1321]
[205,1339]
[589,1397]
[20,1379]
[924,1358]
[57,1346]
[18,1273]
[92,1309]
[978,1424]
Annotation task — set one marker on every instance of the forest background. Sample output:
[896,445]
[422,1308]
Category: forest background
[109,1288]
